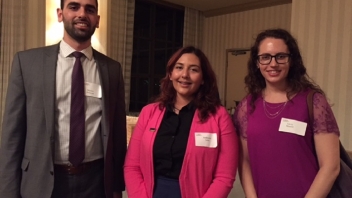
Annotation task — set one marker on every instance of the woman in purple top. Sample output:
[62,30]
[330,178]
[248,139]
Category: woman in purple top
[278,141]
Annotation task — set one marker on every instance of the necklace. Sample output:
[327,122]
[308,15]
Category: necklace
[268,107]
[271,106]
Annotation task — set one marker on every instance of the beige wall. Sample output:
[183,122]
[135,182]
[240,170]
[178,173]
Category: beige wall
[238,30]
[35,24]
[323,30]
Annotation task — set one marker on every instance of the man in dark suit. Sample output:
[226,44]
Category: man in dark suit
[46,151]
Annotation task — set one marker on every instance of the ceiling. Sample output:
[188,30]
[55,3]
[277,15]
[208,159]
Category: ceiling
[219,7]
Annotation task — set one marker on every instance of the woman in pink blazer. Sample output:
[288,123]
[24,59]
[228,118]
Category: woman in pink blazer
[184,144]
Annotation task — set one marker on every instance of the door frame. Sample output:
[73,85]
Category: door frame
[233,50]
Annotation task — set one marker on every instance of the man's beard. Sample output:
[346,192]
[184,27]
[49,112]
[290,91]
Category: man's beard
[78,35]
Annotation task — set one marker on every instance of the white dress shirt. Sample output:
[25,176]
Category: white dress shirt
[93,105]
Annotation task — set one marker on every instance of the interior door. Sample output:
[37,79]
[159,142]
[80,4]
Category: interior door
[235,72]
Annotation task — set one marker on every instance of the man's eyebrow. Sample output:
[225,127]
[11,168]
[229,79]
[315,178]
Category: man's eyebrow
[73,3]
[77,4]
[91,6]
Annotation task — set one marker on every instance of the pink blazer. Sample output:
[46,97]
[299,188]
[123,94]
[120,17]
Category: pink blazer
[206,172]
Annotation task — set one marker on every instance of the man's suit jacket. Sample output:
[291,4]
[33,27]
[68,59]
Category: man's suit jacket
[28,134]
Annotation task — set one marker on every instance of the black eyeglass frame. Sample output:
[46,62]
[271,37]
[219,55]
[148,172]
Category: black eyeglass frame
[275,56]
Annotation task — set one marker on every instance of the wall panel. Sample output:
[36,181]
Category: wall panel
[323,30]
[238,30]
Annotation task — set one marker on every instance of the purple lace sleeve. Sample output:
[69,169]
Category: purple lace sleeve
[240,118]
[324,119]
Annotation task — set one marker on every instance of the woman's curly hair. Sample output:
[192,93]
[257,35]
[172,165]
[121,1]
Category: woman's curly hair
[206,99]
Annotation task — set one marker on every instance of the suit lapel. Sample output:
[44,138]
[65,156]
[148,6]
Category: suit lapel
[50,56]
[104,81]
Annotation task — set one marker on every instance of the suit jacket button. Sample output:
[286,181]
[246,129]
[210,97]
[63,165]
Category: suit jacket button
[51,173]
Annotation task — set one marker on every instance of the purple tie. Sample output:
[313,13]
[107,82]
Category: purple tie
[77,119]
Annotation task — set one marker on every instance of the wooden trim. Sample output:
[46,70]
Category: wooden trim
[244,7]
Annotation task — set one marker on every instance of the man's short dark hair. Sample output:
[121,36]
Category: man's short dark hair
[62,2]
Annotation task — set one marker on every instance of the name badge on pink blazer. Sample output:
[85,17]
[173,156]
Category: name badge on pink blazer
[204,139]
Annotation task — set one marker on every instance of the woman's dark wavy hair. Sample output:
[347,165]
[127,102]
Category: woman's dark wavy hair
[206,98]
[297,78]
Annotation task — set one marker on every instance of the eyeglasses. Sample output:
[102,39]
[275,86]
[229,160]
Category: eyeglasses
[265,59]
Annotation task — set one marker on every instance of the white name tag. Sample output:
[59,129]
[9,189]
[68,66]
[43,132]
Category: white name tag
[93,90]
[293,126]
[209,140]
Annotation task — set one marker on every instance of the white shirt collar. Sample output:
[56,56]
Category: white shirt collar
[66,50]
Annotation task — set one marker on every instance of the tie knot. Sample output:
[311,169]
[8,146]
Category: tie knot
[77,54]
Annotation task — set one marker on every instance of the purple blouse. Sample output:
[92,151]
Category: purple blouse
[283,164]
